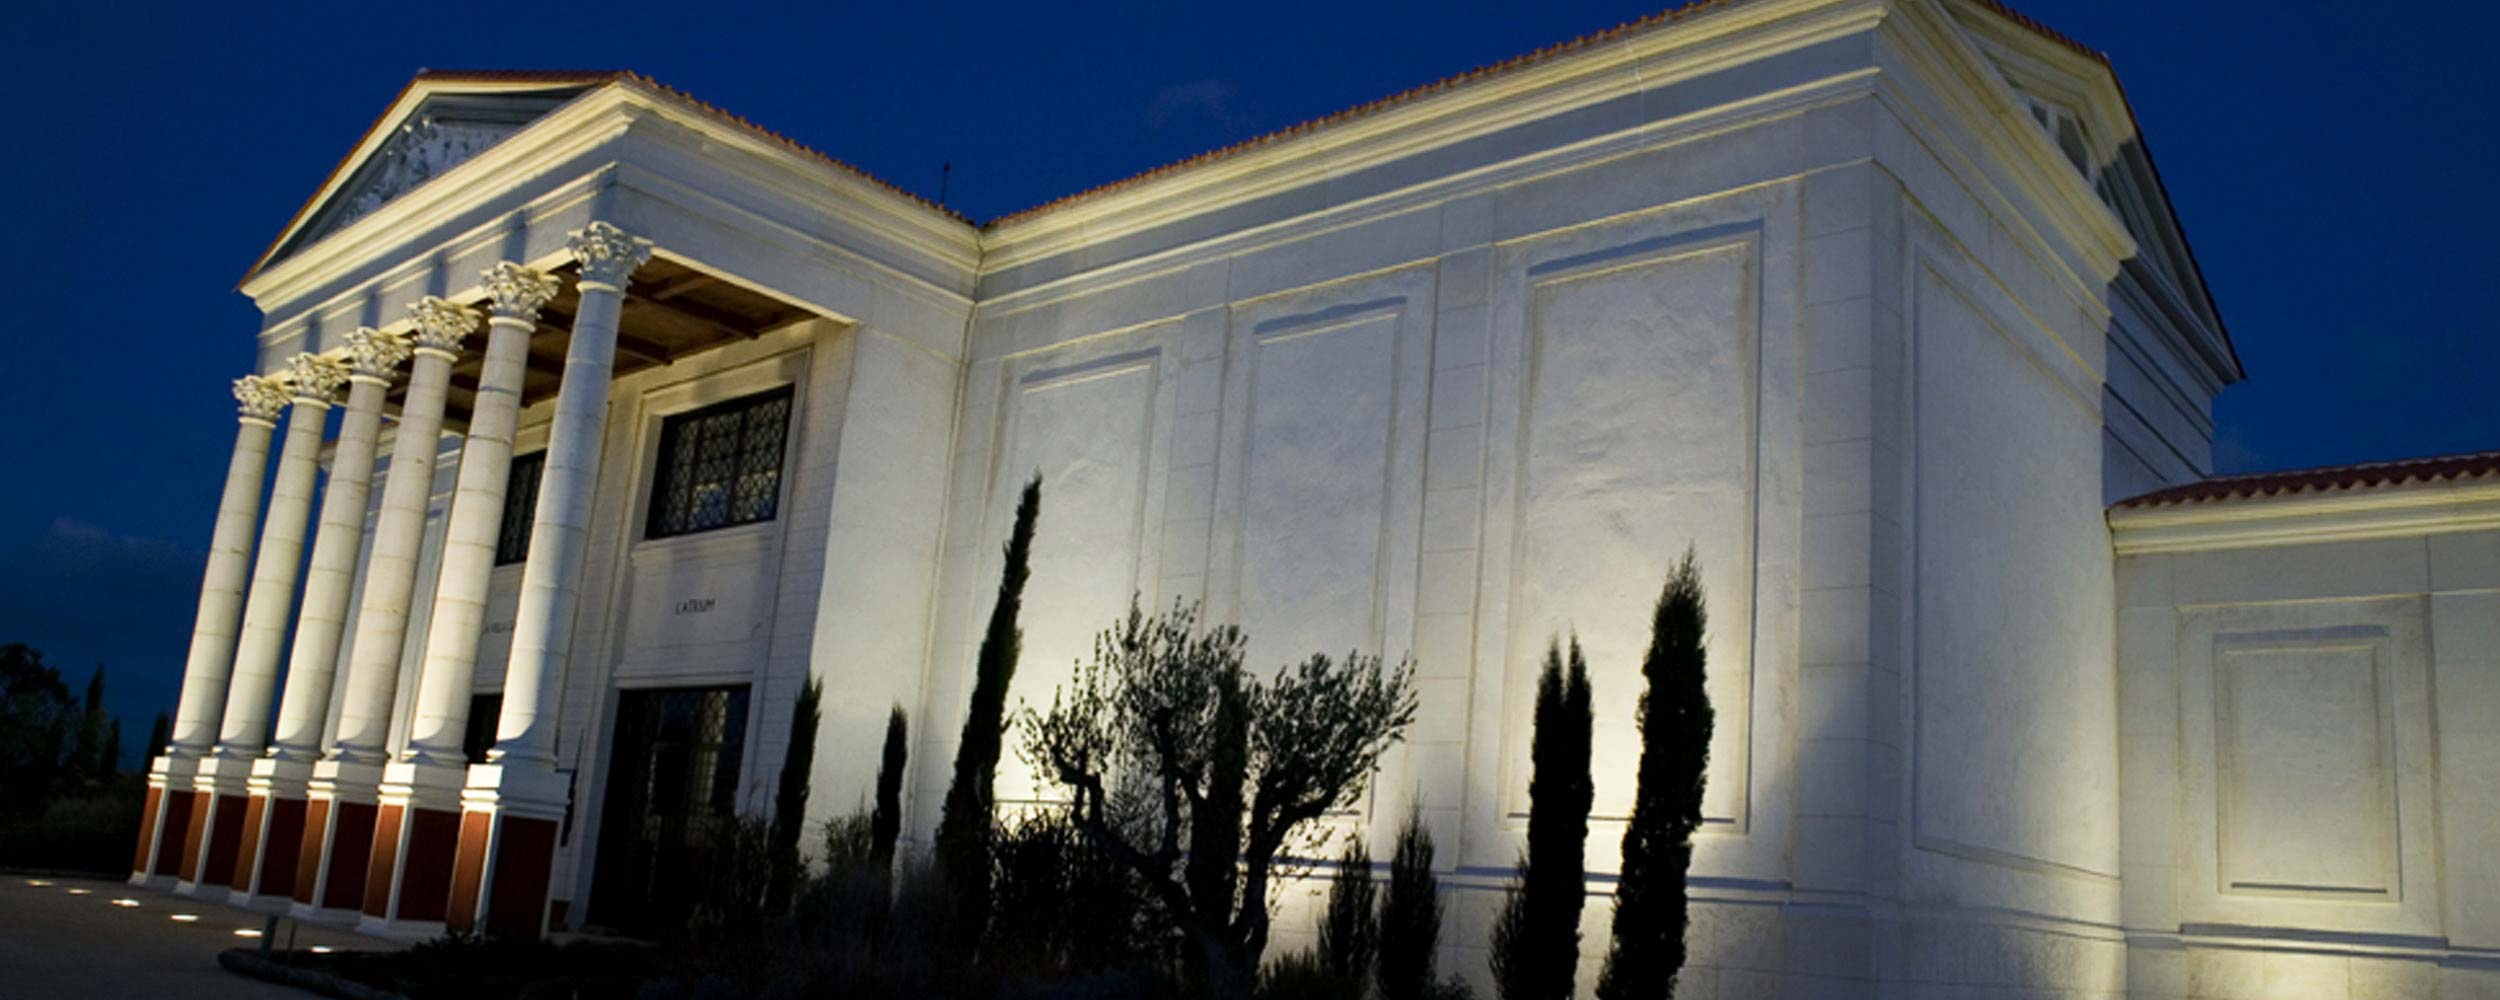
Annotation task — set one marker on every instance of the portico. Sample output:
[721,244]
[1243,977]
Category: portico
[424,771]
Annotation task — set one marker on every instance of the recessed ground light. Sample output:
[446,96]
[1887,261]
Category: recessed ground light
[247,932]
[321,949]
[37,883]
[125,901]
[80,892]
[184,918]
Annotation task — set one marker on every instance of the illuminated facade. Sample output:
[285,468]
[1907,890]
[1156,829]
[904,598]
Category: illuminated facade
[651,415]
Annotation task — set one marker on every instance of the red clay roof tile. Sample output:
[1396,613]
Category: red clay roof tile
[2293,482]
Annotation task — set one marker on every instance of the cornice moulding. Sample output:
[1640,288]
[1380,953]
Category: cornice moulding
[1706,42]
[1663,134]
[2385,512]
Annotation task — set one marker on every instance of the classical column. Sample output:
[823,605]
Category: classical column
[274,823]
[426,784]
[165,818]
[515,801]
[333,867]
[311,380]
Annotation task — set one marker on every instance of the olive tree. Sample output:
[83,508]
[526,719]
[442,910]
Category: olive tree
[1196,775]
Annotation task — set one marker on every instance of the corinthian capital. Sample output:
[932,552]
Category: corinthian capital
[519,290]
[609,255]
[373,355]
[315,379]
[259,399]
[441,324]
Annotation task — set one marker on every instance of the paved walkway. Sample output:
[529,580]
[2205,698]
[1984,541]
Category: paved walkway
[66,939]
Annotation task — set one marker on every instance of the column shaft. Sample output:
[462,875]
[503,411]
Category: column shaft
[444,688]
[391,570]
[206,670]
[542,629]
[313,664]
[255,679]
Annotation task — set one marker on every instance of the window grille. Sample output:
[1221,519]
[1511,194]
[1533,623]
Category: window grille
[720,466]
[520,508]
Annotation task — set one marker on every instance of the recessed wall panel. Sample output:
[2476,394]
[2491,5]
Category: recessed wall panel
[2015,694]
[1086,428]
[1638,441]
[2306,797]
[1316,490]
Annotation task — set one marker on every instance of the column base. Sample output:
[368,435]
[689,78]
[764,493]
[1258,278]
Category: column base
[273,841]
[219,801]
[416,837]
[510,815]
[331,865]
[164,822]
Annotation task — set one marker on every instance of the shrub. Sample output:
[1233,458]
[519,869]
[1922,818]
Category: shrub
[790,800]
[1410,916]
[1195,776]
[968,820]
[885,825]
[1349,929]
[1306,975]
[1061,907]
[1647,948]
[1536,941]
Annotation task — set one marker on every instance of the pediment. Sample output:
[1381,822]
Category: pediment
[2069,93]
[434,126]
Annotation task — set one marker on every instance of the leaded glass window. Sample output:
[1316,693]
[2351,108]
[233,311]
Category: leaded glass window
[520,508]
[720,466]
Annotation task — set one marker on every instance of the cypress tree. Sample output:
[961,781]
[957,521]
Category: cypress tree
[1349,931]
[1536,943]
[967,824]
[87,758]
[160,735]
[1651,911]
[886,823]
[110,763]
[790,800]
[1410,916]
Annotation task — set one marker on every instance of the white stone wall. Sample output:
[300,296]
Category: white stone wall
[2311,734]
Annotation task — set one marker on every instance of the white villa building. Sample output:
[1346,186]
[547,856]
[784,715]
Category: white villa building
[647,415]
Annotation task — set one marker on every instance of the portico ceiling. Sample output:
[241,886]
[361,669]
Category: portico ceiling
[671,311]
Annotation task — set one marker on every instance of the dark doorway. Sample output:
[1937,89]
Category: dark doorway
[672,786]
[480,735]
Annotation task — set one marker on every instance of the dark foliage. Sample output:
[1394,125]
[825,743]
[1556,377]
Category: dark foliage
[63,802]
[738,869]
[1349,929]
[38,720]
[790,799]
[87,759]
[1196,776]
[885,825]
[1307,975]
[1647,950]
[1536,942]
[967,823]
[1410,916]
[1064,908]
[160,735]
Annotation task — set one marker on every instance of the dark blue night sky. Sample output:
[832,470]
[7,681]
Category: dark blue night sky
[2334,164]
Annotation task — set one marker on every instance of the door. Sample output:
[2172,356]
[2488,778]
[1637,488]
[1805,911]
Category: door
[672,783]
